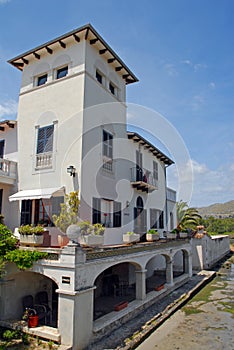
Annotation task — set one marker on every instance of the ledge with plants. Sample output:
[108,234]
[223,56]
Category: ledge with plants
[31,235]
[152,235]
[131,237]
[91,235]
[9,252]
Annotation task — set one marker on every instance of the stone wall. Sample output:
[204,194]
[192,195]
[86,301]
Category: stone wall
[208,250]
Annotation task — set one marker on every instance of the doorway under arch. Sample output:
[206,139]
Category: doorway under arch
[113,286]
[29,284]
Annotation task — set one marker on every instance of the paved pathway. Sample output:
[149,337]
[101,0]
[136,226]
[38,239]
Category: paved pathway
[115,340]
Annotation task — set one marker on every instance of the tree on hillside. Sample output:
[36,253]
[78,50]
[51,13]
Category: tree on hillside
[186,217]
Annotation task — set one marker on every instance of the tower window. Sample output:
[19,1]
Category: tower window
[62,72]
[112,88]
[42,79]
[99,77]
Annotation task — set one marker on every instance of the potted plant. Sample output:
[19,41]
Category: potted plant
[31,236]
[172,234]
[130,237]
[183,234]
[152,235]
[30,315]
[68,215]
[91,235]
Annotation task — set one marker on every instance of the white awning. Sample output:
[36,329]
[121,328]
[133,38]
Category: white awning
[37,194]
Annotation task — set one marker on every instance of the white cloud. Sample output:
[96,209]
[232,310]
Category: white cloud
[4,1]
[8,108]
[197,102]
[209,186]
[195,66]
[212,85]
[188,62]
[171,69]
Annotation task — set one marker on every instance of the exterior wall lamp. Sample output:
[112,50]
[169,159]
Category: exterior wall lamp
[71,170]
[127,204]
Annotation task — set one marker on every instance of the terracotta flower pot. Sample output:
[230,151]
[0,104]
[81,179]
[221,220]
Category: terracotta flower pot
[158,288]
[121,306]
[32,321]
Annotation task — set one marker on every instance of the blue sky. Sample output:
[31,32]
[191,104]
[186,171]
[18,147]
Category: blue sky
[182,51]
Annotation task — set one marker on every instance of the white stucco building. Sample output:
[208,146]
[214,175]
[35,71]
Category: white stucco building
[72,117]
[8,171]
[72,111]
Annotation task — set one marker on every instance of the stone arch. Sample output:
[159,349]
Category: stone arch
[113,285]
[41,68]
[156,274]
[28,283]
[61,60]
[135,264]
[180,262]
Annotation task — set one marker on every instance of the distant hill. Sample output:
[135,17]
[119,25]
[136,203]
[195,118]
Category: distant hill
[218,210]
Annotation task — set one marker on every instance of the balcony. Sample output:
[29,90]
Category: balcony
[8,171]
[44,160]
[143,180]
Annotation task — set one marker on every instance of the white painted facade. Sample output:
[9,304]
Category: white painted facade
[8,171]
[80,107]
[85,113]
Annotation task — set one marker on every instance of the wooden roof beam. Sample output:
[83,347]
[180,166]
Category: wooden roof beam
[93,41]
[101,52]
[110,60]
[49,50]
[86,34]
[118,68]
[62,44]
[25,61]
[36,55]
[76,38]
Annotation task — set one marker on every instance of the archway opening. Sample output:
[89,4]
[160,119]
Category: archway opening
[34,291]
[179,263]
[156,272]
[140,217]
[115,285]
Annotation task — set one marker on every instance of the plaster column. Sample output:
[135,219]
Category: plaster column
[75,317]
[140,284]
[188,264]
[169,272]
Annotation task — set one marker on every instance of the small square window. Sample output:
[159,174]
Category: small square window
[112,88]
[62,72]
[42,80]
[99,77]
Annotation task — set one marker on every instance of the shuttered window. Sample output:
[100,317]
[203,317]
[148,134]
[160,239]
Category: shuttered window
[96,215]
[45,139]
[26,212]
[155,170]
[117,214]
[107,144]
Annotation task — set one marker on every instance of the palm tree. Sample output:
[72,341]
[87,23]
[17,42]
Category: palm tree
[186,217]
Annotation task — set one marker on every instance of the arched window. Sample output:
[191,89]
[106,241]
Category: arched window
[139,203]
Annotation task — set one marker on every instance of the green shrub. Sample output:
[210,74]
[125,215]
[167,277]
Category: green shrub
[69,212]
[152,231]
[11,334]
[7,240]
[98,229]
[30,230]
[24,259]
